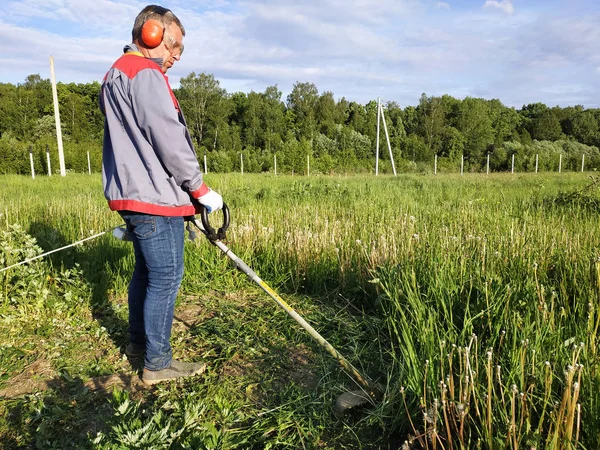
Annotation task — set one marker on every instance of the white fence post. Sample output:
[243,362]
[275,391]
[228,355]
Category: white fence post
[31,162]
[559,163]
[462,164]
[536,163]
[242,163]
[487,165]
[205,166]
[89,165]
[582,161]
[512,167]
[48,160]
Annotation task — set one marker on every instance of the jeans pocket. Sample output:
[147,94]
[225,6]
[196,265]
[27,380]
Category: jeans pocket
[143,226]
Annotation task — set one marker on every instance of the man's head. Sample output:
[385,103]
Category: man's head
[170,47]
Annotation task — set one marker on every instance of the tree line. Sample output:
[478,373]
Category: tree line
[336,134]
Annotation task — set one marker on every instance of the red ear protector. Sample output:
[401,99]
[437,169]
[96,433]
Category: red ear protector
[152,33]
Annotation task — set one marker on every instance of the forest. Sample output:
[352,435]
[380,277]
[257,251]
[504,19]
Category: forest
[336,135]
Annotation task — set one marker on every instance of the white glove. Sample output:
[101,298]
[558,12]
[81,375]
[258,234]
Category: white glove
[212,201]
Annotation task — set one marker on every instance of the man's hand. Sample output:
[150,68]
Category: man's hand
[212,201]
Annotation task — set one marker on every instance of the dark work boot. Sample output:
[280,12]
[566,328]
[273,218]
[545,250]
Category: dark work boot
[135,354]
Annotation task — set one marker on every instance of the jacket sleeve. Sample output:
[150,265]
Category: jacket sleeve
[159,121]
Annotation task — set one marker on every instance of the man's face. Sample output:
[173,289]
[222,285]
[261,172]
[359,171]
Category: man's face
[171,46]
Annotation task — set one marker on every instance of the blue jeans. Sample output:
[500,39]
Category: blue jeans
[158,247]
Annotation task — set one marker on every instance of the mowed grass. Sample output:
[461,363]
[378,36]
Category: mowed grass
[472,300]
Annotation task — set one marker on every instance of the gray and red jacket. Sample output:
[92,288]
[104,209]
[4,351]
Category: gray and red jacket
[149,163]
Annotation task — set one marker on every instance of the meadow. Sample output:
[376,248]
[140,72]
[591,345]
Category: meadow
[473,301]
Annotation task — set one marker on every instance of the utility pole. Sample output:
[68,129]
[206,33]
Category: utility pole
[387,138]
[377,138]
[61,155]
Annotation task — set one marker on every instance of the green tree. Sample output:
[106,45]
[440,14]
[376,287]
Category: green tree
[273,119]
[219,119]
[325,114]
[431,121]
[342,112]
[453,144]
[302,102]
[584,127]
[253,125]
[197,94]
[357,117]
[505,121]
[546,127]
[475,124]
[411,120]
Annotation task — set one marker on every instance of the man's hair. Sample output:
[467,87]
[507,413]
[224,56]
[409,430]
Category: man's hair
[163,15]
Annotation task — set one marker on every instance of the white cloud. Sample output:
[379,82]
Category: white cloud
[504,5]
[396,49]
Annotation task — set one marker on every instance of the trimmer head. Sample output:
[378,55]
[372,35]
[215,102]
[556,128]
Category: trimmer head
[349,400]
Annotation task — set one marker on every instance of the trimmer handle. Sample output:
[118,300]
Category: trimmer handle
[209,231]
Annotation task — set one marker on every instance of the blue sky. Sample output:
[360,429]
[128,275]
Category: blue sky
[518,51]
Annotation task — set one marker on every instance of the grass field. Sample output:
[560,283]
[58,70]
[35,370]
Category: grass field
[472,300]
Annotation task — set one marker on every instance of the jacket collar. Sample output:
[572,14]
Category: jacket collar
[132,48]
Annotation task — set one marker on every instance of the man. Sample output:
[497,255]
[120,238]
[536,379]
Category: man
[151,176]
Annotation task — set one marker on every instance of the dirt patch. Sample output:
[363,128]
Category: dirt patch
[301,368]
[127,382]
[238,367]
[40,376]
[294,365]
[33,378]
[191,315]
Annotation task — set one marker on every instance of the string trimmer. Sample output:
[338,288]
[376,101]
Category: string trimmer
[345,401]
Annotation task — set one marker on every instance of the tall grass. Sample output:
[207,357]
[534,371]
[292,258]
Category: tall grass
[473,300]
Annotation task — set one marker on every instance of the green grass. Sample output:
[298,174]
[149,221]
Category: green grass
[473,300]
